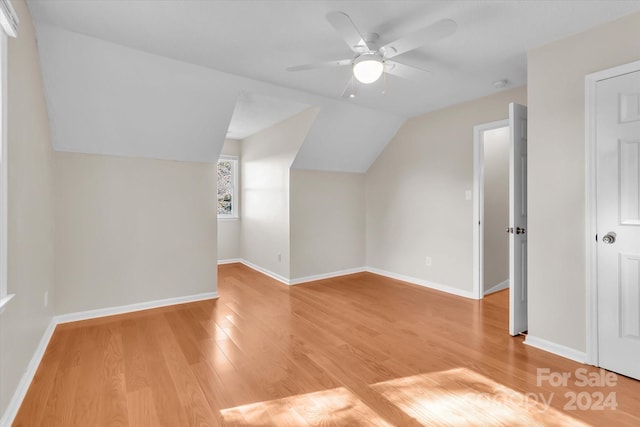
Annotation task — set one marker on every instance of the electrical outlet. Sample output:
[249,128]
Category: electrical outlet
[467,195]
[279,257]
[427,261]
[46,298]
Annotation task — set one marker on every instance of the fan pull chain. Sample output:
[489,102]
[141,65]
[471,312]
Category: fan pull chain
[353,89]
[384,83]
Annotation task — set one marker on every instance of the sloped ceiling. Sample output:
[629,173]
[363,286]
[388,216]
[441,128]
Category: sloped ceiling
[161,79]
[109,99]
[255,112]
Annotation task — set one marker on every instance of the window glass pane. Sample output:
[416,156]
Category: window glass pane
[225,187]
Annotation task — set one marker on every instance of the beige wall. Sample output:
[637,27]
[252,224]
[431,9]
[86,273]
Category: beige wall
[327,222]
[229,229]
[30,222]
[132,230]
[557,282]
[264,171]
[415,193]
[496,207]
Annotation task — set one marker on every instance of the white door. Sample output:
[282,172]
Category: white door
[518,219]
[618,222]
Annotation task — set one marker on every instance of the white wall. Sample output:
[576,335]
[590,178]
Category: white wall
[557,282]
[496,206]
[30,222]
[415,194]
[327,222]
[229,229]
[132,230]
[264,171]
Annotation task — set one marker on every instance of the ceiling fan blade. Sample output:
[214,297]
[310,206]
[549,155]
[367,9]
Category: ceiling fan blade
[405,71]
[433,32]
[347,29]
[351,89]
[317,65]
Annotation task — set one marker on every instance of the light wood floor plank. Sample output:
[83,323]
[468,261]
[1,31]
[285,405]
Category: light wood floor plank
[42,388]
[355,350]
[165,396]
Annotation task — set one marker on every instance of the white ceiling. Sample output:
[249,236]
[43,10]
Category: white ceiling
[259,39]
[170,79]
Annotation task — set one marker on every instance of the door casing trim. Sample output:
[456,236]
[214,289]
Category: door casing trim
[478,202]
[591,81]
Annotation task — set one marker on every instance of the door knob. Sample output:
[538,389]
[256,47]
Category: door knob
[609,238]
[509,230]
[520,230]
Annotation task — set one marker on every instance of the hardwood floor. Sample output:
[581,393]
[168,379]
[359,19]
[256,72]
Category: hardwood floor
[360,350]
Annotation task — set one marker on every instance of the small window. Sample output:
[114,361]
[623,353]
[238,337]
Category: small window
[3,178]
[4,296]
[228,194]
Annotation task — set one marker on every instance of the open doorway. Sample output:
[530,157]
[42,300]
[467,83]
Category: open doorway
[491,211]
[516,227]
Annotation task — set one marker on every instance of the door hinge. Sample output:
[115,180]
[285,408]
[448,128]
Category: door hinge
[596,237]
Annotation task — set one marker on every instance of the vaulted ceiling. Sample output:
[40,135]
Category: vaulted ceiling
[162,78]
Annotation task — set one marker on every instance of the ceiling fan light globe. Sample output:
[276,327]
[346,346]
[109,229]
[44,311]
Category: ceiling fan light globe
[368,70]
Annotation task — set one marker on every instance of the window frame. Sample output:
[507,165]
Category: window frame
[9,28]
[235,201]
[5,297]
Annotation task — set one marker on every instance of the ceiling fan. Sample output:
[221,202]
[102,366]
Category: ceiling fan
[371,61]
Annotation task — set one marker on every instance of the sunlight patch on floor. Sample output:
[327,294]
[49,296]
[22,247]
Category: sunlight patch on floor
[330,407]
[461,397]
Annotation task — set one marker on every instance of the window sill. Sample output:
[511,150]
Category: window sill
[4,301]
[229,218]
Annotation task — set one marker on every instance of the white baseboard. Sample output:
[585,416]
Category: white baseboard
[560,350]
[110,311]
[498,287]
[21,391]
[427,284]
[229,261]
[413,280]
[266,272]
[326,275]
[299,280]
